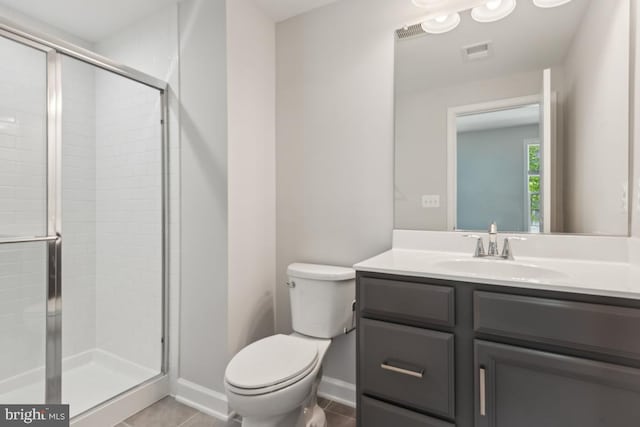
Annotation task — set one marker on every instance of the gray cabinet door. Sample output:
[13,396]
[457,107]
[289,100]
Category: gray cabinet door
[519,387]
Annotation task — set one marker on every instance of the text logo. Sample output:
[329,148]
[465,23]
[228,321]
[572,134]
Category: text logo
[34,415]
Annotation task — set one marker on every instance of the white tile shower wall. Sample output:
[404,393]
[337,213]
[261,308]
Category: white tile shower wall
[22,207]
[22,308]
[78,207]
[128,219]
[22,140]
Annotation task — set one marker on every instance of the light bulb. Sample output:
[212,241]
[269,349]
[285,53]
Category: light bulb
[550,3]
[493,10]
[426,3]
[441,24]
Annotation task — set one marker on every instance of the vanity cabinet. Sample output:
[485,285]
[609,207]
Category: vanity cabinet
[444,353]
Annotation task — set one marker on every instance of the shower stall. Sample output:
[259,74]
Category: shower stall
[83,220]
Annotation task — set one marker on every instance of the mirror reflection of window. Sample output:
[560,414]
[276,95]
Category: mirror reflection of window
[533,185]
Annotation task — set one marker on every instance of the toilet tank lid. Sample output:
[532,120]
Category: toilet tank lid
[320,272]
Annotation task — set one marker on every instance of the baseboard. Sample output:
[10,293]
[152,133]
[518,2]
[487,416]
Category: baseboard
[338,391]
[203,399]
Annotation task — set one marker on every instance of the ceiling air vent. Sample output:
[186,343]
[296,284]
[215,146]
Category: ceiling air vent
[410,31]
[477,51]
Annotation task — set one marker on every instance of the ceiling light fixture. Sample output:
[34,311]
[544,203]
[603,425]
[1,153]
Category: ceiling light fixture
[441,24]
[550,3]
[494,10]
[426,3]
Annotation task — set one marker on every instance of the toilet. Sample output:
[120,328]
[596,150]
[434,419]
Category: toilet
[273,382]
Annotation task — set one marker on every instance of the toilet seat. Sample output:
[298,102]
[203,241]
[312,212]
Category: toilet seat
[271,364]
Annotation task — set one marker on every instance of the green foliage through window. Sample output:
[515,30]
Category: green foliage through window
[534,158]
[533,185]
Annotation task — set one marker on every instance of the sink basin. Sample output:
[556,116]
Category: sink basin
[500,269]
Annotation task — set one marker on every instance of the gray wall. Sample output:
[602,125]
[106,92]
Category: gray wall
[491,178]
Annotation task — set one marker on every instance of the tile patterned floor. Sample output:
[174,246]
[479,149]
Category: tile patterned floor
[170,413]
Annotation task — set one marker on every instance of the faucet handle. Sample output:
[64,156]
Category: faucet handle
[472,236]
[479,245]
[507,253]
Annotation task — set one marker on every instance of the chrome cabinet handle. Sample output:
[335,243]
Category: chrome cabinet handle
[416,374]
[483,393]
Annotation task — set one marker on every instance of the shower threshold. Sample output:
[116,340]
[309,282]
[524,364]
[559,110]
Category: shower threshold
[88,379]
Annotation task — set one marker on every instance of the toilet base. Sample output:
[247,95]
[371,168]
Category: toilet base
[292,419]
[315,417]
[308,418]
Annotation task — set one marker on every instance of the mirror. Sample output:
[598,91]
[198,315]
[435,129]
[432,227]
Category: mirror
[523,121]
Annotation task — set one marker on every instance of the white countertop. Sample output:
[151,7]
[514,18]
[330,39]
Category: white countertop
[604,278]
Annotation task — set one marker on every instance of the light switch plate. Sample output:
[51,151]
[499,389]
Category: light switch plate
[431,201]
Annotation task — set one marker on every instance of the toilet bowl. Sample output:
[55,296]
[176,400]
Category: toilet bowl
[273,382]
[270,382]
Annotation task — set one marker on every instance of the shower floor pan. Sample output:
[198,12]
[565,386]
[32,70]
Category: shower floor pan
[88,379]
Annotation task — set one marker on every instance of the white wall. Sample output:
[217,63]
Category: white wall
[252,188]
[335,144]
[204,216]
[421,142]
[596,122]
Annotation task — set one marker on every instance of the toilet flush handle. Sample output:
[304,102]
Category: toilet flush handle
[291,284]
[353,319]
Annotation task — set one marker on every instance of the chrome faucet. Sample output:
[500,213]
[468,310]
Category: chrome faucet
[492,251]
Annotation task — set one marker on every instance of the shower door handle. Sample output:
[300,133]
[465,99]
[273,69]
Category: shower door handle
[12,240]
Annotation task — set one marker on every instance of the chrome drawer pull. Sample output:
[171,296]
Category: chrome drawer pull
[416,374]
[483,393]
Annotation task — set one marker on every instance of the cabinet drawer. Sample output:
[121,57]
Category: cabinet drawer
[409,366]
[406,301]
[374,413]
[591,327]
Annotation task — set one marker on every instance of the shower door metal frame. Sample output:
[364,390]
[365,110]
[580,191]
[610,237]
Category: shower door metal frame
[54,50]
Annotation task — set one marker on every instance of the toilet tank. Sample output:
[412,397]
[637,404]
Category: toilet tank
[321,297]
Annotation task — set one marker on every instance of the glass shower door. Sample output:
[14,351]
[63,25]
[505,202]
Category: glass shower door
[112,225]
[23,223]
